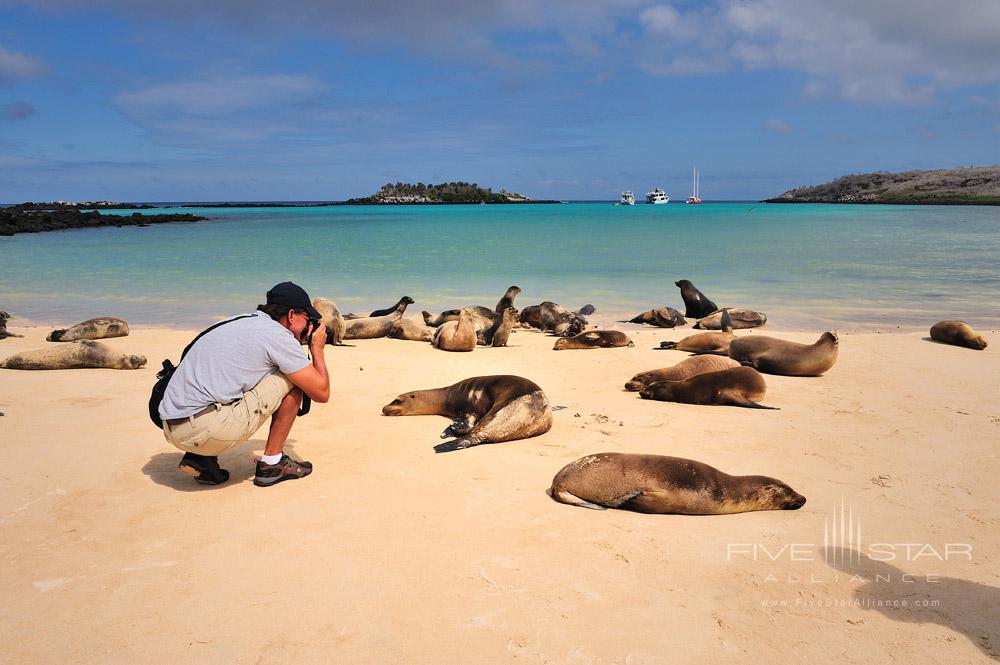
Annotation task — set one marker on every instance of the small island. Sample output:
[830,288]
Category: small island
[401,193]
[959,186]
[61,215]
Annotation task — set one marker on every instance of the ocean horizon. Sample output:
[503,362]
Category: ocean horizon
[807,266]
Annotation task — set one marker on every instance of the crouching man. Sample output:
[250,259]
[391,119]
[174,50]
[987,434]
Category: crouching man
[235,377]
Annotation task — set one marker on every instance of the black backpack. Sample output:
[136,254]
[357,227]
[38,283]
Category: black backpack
[163,376]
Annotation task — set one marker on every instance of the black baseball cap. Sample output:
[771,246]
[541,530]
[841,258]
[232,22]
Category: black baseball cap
[292,295]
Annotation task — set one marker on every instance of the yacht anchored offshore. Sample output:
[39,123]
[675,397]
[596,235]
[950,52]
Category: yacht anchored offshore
[628,198]
[694,189]
[657,196]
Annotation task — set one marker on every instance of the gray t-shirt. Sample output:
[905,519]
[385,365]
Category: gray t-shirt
[228,362]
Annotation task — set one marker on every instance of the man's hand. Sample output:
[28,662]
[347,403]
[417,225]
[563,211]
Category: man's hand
[318,340]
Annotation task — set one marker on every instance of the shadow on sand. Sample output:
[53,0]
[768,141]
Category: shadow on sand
[969,608]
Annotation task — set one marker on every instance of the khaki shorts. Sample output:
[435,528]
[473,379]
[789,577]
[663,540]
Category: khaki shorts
[229,425]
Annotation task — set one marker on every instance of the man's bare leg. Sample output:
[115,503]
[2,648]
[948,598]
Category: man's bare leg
[281,422]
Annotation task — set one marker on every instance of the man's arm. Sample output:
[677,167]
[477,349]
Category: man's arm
[314,380]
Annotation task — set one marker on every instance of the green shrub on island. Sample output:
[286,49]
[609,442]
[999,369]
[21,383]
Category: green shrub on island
[447,192]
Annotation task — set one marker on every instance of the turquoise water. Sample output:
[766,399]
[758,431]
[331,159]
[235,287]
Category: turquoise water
[806,266]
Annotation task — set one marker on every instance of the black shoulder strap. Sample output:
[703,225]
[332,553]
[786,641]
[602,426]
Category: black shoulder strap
[208,330]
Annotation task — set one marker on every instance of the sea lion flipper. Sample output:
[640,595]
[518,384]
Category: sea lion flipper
[666,345]
[573,500]
[743,401]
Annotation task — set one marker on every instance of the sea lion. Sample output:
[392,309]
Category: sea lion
[586,310]
[958,333]
[683,370]
[551,317]
[452,315]
[74,355]
[662,485]
[485,409]
[398,307]
[507,300]
[457,335]
[4,317]
[736,386]
[499,333]
[741,318]
[370,327]
[411,329]
[331,318]
[594,339]
[695,302]
[710,342]
[778,356]
[662,317]
[102,327]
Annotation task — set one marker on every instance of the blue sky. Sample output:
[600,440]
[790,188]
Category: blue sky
[156,100]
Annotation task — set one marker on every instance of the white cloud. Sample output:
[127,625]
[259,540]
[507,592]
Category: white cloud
[14,66]
[778,127]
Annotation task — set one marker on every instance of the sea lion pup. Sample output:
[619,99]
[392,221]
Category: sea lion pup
[958,333]
[74,355]
[594,339]
[662,485]
[741,318]
[331,318]
[778,356]
[411,329]
[102,327]
[370,327]
[683,370]
[586,310]
[709,342]
[736,386]
[507,300]
[486,409]
[4,317]
[456,335]
[551,317]
[398,307]
[695,303]
[662,317]
[499,333]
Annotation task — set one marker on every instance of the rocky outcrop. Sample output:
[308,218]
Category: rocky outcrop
[29,218]
[961,186]
[402,193]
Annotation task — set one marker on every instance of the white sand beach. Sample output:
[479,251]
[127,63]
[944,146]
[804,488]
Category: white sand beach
[390,553]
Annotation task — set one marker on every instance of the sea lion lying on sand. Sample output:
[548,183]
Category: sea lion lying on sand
[398,307]
[486,409]
[370,327]
[662,485]
[662,317]
[452,315]
[958,333]
[741,318]
[102,327]
[457,335]
[737,386]
[683,370]
[331,318]
[551,317]
[778,356]
[594,339]
[411,329]
[695,303]
[709,342]
[74,355]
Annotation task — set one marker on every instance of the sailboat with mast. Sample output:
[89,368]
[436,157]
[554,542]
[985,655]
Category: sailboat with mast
[694,193]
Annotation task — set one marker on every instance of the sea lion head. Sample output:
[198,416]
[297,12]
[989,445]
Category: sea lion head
[513,291]
[408,300]
[656,390]
[830,337]
[771,494]
[408,404]
[978,342]
[561,344]
[133,362]
[681,283]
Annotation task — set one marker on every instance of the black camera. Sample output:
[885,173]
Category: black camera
[312,325]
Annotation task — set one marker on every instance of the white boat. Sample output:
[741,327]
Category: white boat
[657,196]
[694,189]
[628,198]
